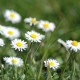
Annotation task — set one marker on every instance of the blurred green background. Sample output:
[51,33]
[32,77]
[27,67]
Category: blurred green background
[64,13]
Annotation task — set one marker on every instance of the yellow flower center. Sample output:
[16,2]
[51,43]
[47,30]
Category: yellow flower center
[46,25]
[19,44]
[10,32]
[12,15]
[74,43]
[51,63]
[33,20]
[14,60]
[33,35]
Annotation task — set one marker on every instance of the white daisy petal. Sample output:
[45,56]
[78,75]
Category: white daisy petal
[34,36]
[19,44]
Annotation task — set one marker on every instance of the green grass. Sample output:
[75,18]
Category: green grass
[66,16]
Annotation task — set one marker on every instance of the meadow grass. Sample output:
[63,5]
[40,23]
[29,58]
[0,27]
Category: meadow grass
[66,16]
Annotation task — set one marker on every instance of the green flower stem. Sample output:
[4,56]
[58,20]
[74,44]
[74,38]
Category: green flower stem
[33,54]
[2,78]
[73,73]
[41,65]
[45,53]
[73,66]
[49,74]
[66,62]
[15,74]
[29,50]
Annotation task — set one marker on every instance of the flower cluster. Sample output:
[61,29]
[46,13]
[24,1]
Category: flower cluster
[44,25]
[25,52]
[13,34]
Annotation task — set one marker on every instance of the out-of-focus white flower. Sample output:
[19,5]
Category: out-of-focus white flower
[11,33]
[31,21]
[11,15]
[19,44]
[62,42]
[23,77]
[2,29]
[2,42]
[51,63]
[73,45]
[34,36]
[13,61]
[46,26]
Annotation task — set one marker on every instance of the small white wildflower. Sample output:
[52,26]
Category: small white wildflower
[11,32]
[12,16]
[31,21]
[13,61]
[73,45]
[2,42]
[19,44]
[62,42]
[51,63]
[34,36]
[46,26]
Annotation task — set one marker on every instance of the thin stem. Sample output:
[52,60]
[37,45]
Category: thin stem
[49,74]
[33,54]
[15,72]
[73,74]
[1,67]
[42,64]
[45,53]
[68,56]
[66,62]
[29,50]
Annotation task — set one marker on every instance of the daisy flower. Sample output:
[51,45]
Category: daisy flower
[46,26]
[31,21]
[73,45]
[2,42]
[34,36]
[12,16]
[11,33]
[19,44]
[13,61]
[51,63]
